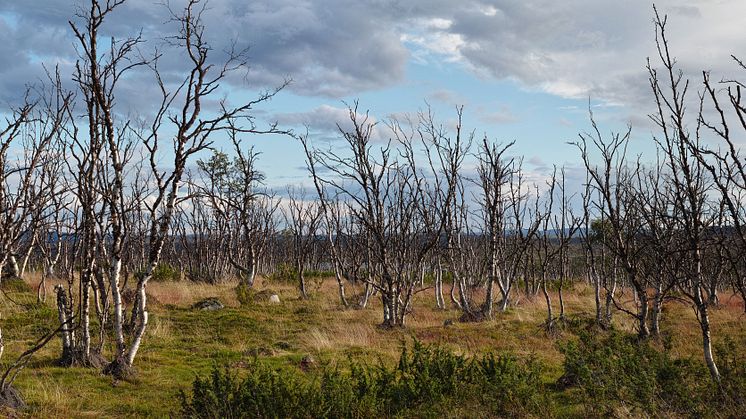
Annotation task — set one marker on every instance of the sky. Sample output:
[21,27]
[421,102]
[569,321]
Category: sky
[524,71]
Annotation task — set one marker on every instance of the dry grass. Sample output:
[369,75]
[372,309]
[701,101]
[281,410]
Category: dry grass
[182,342]
[184,293]
[354,335]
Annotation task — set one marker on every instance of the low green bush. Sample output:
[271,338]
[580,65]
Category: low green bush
[244,294]
[731,360]
[165,272]
[248,296]
[617,372]
[286,272]
[428,381]
[12,284]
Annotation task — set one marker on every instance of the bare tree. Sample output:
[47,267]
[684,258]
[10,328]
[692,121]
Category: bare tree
[689,184]
[333,221]
[558,226]
[302,218]
[234,191]
[391,200]
[722,114]
[97,74]
[510,222]
[182,118]
[446,154]
[615,181]
[33,127]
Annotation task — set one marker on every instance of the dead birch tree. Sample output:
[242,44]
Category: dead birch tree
[689,183]
[614,181]
[187,127]
[302,218]
[510,222]
[391,200]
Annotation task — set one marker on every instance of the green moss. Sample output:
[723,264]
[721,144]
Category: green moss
[11,284]
[181,344]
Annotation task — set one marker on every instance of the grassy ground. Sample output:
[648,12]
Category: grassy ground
[182,342]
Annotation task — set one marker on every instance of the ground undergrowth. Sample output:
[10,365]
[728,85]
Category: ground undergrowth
[560,374]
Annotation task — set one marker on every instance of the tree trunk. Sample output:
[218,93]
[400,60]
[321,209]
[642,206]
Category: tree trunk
[456,302]
[610,292]
[366,295]
[302,281]
[657,309]
[704,323]
[439,301]
[15,271]
[116,299]
[85,316]
[26,257]
[143,314]
[505,294]
[596,294]
[642,315]
[341,287]
[548,299]
[41,290]
[561,300]
[67,345]
[712,294]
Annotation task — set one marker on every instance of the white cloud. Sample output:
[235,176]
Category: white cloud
[502,114]
[335,48]
[326,121]
[324,118]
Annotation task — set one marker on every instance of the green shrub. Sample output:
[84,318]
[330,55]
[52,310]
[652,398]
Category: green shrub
[732,365]
[428,380]
[165,272]
[244,294]
[513,387]
[247,296]
[617,371]
[283,273]
[286,272]
[13,284]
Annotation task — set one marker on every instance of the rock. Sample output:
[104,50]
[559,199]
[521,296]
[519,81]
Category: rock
[11,400]
[474,317]
[259,351]
[119,370]
[307,362]
[567,380]
[283,346]
[263,296]
[208,304]
[129,296]
[274,299]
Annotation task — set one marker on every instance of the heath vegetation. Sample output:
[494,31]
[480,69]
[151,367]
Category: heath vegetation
[421,272]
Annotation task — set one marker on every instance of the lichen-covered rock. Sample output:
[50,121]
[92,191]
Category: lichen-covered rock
[208,304]
[10,401]
[307,362]
[263,296]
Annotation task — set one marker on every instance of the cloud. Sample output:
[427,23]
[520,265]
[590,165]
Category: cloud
[448,97]
[502,115]
[324,122]
[688,11]
[324,119]
[336,48]
[583,48]
[329,48]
